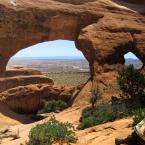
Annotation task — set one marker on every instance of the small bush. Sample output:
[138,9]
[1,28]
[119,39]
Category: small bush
[88,122]
[121,110]
[51,132]
[52,106]
[100,114]
[132,84]
[138,115]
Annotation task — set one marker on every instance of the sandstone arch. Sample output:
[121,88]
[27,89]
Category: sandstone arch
[106,43]
[102,30]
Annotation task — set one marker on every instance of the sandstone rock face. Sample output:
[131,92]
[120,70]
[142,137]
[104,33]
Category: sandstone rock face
[8,117]
[104,30]
[22,99]
[19,70]
[24,88]
[12,82]
[27,99]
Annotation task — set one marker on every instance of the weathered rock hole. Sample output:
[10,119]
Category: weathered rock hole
[131,58]
[54,58]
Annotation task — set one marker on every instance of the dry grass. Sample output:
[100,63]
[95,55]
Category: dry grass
[69,78]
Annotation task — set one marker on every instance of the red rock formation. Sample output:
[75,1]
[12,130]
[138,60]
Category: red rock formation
[110,39]
[12,82]
[19,70]
[27,99]
[103,30]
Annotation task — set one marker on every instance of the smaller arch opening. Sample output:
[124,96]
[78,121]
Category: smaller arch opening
[131,58]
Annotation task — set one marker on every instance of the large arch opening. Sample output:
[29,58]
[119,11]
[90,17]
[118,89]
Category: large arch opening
[59,60]
[131,58]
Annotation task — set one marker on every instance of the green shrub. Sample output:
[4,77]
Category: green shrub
[121,110]
[138,115]
[51,132]
[101,114]
[132,84]
[88,122]
[98,115]
[52,106]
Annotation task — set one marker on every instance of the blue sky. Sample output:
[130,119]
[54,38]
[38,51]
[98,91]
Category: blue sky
[54,48]
[51,49]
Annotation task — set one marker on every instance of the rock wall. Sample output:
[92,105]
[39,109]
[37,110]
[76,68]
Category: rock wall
[12,82]
[23,89]
[27,99]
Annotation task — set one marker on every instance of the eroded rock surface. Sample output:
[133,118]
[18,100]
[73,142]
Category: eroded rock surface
[104,30]
[27,99]
[104,134]
[19,70]
[22,80]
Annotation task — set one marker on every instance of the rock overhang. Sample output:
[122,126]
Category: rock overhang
[101,29]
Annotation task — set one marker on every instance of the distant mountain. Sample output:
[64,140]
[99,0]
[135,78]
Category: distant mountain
[50,57]
[137,63]
[132,60]
[61,63]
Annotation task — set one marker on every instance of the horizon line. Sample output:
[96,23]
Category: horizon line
[57,57]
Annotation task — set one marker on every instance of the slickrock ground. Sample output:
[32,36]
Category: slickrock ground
[8,117]
[104,134]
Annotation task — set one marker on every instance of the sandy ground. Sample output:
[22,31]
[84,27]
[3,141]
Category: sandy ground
[9,118]
[104,134]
